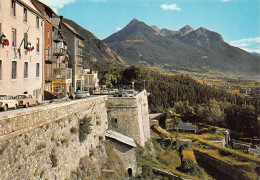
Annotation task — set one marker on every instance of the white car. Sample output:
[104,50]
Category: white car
[128,93]
[7,102]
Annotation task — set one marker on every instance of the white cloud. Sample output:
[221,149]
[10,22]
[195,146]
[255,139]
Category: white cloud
[225,0]
[173,7]
[250,44]
[57,4]
[118,28]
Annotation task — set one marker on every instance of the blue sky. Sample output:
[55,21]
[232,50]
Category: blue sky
[238,21]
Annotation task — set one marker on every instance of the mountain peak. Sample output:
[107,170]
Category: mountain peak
[186,29]
[156,28]
[134,22]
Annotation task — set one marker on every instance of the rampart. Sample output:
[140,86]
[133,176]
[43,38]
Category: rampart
[48,142]
[223,170]
[130,116]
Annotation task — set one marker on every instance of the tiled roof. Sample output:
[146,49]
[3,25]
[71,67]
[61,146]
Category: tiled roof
[120,137]
[185,126]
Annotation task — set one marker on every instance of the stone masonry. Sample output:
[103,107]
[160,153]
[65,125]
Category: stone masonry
[130,116]
[45,142]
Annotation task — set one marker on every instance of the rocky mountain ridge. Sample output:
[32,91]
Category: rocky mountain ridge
[186,48]
[95,49]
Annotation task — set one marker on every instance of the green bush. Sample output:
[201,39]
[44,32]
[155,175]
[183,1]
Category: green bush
[65,140]
[188,166]
[54,160]
[41,146]
[84,128]
[73,130]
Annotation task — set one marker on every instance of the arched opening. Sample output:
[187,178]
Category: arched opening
[25,92]
[130,172]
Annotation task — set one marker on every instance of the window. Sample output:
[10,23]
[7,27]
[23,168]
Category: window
[47,16]
[25,40]
[48,37]
[25,14]
[38,45]
[14,37]
[37,69]
[48,69]
[13,6]
[25,69]
[37,22]
[1,69]
[14,69]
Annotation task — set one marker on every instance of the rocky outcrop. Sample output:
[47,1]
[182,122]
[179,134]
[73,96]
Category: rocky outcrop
[95,49]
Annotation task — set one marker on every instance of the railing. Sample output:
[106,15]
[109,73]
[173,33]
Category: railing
[50,77]
[60,52]
[79,62]
[50,59]
[62,75]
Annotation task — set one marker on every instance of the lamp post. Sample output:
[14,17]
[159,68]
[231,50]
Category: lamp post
[133,85]
[144,84]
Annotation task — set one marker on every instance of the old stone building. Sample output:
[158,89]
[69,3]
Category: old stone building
[125,149]
[21,50]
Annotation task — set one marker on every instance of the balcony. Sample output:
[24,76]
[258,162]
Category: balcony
[60,52]
[62,75]
[49,77]
[79,63]
[50,59]
[57,40]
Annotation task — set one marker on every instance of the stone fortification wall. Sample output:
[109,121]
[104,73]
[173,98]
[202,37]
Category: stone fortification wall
[223,170]
[48,142]
[130,116]
[127,154]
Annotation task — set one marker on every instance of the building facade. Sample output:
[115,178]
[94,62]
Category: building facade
[21,63]
[57,76]
[91,81]
[75,46]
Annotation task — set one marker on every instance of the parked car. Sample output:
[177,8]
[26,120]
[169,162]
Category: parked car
[26,100]
[79,95]
[129,93]
[8,101]
[86,93]
[96,92]
[111,92]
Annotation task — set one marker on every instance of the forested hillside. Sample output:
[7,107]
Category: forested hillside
[195,102]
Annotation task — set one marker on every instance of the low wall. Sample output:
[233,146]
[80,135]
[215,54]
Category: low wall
[47,142]
[223,170]
[218,142]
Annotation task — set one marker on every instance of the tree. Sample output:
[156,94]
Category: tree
[109,80]
[186,111]
[248,122]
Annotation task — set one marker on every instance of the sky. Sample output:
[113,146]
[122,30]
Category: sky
[238,21]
